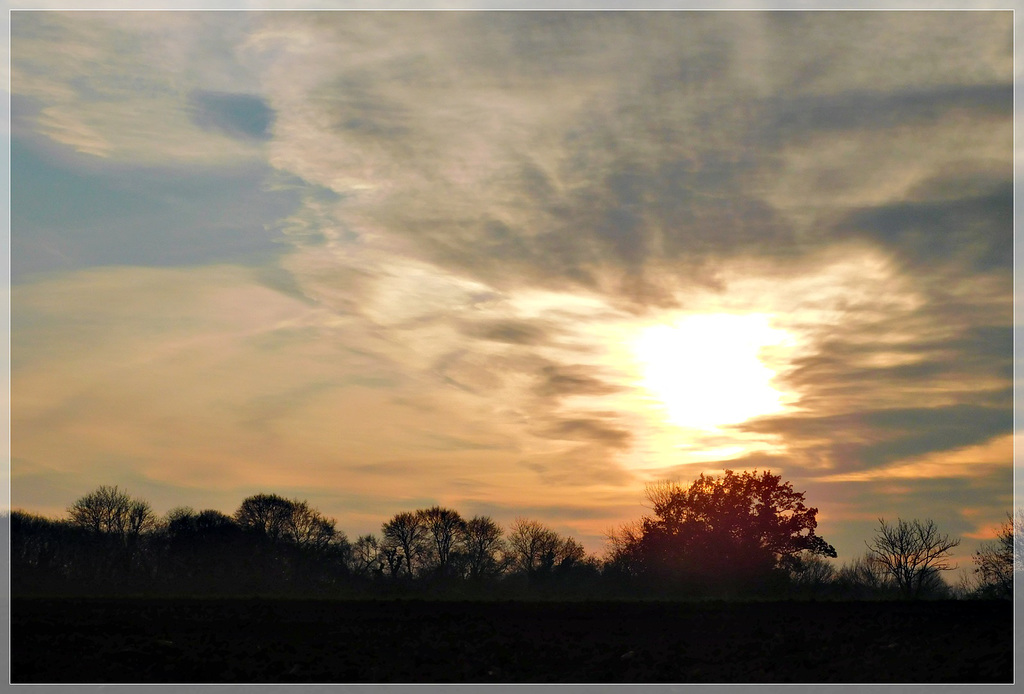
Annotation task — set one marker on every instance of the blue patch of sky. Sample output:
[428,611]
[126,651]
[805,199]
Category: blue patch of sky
[67,217]
[240,115]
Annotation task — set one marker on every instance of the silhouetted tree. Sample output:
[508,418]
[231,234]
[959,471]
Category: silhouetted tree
[117,522]
[813,575]
[112,511]
[864,577]
[310,530]
[530,543]
[365,559]
[484,547]
[444,531]
[1018,540]
[266,515]
[205,551]
[406,533]
[568,554]
[993,563]
[624,558]
[912,553]
[534,548]
[50,555]
[732,530]
[298,545]
[391,556]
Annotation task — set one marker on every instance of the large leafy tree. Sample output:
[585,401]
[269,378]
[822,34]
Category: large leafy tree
[720,530]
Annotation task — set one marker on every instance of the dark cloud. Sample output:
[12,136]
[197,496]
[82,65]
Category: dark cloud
[981,353]
[946,386]
[363,111]
[594,430]
[797,117]
[924,430]
[972,233]
[244,116]
[615,233]
[890,498]
[873,438]
[657,176]
[516,332]
[664,176]
[555,381]
[517,46]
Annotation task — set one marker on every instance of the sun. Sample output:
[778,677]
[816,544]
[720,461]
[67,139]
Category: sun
[706,370]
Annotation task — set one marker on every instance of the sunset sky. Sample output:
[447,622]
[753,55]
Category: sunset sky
[515,263]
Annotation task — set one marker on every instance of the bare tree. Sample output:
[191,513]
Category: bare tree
[812,573]
[533,547]
[1018,540]
[390,556]
[483,546]
[110,510]
[310,529]
[111,514]
[444,530]
[569,552]
[406,532]
[994,563]
[365,558]
[624,554]
[266,514]
[529,543]
[912,552]
[289,520]
[865,576]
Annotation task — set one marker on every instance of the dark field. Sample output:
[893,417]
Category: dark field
[153,640]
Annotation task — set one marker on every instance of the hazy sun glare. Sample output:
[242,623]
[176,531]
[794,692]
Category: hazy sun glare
[707,369]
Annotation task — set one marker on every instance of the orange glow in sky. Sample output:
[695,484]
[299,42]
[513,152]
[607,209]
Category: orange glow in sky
[518,264]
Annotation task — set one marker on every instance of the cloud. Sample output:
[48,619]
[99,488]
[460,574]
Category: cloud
[875,109]
[472,216]
[595,429]
[963,463]
[660,163]
[118,87]
[572,380]
[518,332]
[869,439]
[970,234]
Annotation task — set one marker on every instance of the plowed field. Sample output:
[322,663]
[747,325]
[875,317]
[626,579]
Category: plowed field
[241,641]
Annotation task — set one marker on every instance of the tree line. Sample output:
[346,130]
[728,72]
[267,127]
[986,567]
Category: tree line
[745,534]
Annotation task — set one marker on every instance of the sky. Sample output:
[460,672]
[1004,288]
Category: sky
[514,263]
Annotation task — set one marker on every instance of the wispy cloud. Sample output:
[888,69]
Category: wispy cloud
[334,249]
